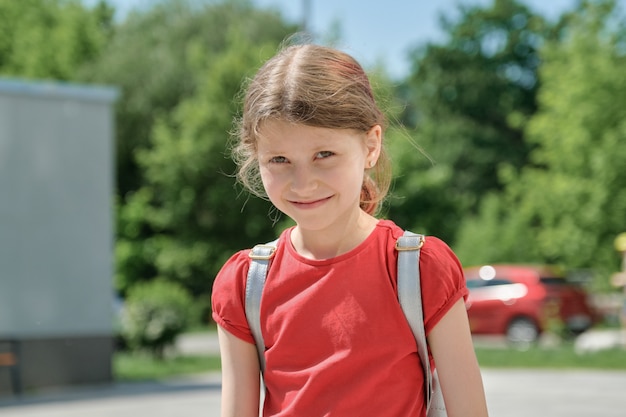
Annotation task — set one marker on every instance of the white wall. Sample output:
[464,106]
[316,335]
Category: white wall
[56,209]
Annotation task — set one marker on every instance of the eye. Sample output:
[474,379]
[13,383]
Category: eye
[324,154]
[278,160]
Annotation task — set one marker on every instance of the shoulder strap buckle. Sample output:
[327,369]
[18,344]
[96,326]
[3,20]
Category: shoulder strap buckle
[407,242]
[262,252]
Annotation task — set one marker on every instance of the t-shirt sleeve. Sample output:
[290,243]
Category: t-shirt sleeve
[442,280]
[228,297]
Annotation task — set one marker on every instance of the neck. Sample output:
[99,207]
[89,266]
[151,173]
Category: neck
[335,241]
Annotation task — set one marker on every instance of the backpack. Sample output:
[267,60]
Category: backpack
[409,296]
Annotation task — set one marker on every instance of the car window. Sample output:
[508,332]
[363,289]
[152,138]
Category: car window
[498,281]
[475,283]
[481,283]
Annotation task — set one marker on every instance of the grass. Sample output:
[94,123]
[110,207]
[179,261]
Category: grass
[563,357]
[128,366]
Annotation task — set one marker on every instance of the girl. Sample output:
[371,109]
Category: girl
[337,342]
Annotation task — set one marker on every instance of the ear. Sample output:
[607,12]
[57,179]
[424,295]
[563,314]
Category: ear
[373,142]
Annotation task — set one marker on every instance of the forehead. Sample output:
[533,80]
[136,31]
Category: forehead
[278,133]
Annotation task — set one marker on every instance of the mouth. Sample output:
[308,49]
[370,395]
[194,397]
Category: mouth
[310,204]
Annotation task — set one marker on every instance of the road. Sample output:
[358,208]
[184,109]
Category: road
[510,393]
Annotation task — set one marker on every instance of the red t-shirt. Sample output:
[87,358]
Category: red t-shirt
[337,341]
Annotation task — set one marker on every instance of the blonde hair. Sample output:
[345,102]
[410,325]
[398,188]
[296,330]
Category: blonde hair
[315,86]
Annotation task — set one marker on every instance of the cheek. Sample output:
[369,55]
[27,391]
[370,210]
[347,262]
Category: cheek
[270,180]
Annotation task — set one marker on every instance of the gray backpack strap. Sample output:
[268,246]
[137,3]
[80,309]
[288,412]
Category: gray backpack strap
[410,297]
[261,256]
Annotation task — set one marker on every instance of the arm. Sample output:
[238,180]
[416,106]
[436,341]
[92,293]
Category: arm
[461,383]
[240,376]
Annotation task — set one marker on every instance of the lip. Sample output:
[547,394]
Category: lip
[307,205]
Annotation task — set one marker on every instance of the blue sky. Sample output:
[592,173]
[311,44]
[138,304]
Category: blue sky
[376,30]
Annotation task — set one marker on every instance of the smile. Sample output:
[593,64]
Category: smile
[310,204]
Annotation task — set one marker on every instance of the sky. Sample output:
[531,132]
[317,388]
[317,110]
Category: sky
[376,31]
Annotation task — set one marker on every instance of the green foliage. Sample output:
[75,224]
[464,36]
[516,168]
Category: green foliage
[183,217]
[568,206]
[50,39]
[159,56]
[131,366]
[154,314]
[563,357]
[468,99]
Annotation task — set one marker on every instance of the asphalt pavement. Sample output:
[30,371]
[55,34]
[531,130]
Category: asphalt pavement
[510,393]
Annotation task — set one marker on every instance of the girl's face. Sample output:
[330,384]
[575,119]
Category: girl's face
[314,175]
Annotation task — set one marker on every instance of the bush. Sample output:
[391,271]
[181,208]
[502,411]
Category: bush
[155,313]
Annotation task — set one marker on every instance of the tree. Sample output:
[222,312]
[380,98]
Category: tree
[568,205]
[467,100]
[186,216]
[51,39]
[152,58]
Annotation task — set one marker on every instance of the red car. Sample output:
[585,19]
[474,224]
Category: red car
[522,301]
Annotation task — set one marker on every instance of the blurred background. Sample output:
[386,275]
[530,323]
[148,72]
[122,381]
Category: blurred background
[507,128]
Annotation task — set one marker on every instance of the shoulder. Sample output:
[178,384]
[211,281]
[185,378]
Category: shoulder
[439,263]
[443,281]
[436,254]
[236,265]
[235,270]
[228,296]
[230,282]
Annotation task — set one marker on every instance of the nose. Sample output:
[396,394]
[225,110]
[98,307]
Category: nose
[303,180]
